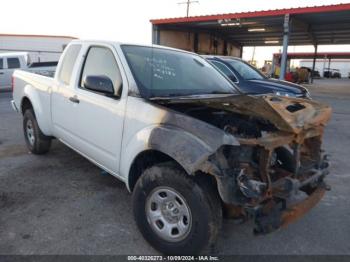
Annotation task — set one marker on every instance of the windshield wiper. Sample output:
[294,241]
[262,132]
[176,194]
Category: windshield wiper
[254,78]
[198,62]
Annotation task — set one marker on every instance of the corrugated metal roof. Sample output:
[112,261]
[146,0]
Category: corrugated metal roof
[275,12]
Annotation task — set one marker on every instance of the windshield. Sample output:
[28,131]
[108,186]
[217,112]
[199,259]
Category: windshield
[162,73]
[246,71]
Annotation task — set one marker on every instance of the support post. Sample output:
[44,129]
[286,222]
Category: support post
[273,67]
[313,64]
[155,35]
[329,68]
[286,29]
[324,65]
[195,42]
[241,51]
[224,49]
[253,55]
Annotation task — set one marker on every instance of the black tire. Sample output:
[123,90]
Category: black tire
[37,142]
[201,197]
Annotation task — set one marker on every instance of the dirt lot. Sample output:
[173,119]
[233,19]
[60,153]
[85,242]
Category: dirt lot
[60,203]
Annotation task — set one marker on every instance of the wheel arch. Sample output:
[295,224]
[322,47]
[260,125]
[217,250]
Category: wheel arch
[26,104]
[144,160]
[41,109]
[168,143]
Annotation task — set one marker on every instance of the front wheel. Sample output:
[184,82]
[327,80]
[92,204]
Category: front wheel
[176,214]
[36,141]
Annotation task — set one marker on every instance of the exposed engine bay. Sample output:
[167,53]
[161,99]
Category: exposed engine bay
[279,161]
[233,123]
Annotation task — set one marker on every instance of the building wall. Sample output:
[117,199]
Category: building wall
[207,44]
[39,48]
[233,50]
[177,39]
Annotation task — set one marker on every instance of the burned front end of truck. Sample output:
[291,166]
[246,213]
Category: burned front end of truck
[276,172]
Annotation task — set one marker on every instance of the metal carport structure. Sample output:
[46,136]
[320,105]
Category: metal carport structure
[329,56]
[318,25]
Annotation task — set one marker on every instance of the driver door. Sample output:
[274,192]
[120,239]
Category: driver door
[100,117]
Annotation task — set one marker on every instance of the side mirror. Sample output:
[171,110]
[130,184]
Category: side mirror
[100,84]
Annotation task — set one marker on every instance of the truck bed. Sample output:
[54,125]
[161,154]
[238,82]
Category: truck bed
[36,88]
[43,68]
[22,77]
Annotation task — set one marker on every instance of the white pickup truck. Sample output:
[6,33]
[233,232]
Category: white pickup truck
[9,62]
[186,142]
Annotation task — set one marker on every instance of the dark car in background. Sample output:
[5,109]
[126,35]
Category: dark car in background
[313,73]
[331,73]
[251,81]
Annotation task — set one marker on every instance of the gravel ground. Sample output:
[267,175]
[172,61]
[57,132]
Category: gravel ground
[60,203]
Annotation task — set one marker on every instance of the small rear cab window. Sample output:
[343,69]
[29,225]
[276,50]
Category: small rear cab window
[68,63]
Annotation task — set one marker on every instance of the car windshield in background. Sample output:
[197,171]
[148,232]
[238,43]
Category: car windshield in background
[163,73]
[246,71]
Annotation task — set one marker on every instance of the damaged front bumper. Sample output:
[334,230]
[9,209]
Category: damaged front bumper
[281,196]
[297,199]
[281,216]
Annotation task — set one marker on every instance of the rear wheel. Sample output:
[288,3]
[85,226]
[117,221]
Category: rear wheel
[175,213]
[36,141]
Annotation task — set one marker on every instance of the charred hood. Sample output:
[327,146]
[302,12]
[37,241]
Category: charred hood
[254,114]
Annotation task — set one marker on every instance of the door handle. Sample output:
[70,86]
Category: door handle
[1,73]
[74,99]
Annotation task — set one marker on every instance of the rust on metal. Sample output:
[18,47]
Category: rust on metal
[298,210]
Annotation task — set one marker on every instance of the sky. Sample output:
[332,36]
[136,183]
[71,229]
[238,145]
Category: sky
[125,20]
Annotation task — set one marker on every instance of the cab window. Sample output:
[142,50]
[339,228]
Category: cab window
[68,63]
[100,61]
